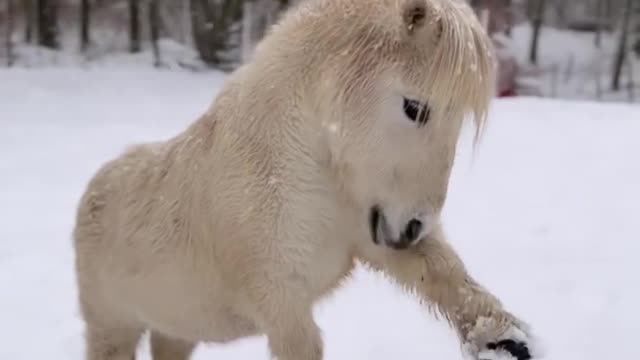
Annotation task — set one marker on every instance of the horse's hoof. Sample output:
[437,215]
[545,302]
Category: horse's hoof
[518,350]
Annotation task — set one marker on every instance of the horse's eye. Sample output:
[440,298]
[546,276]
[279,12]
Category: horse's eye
[416,111]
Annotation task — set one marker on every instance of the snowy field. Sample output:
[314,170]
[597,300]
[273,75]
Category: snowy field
[546,217]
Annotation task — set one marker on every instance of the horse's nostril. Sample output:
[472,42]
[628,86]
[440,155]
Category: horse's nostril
[374,222]
[413,229]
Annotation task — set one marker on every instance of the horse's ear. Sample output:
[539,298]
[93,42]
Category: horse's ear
[414,14]
[422,16]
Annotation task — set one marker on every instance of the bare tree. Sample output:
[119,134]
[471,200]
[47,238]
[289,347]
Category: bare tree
[247,27]
[85,24]
[154,30]
[29,7]
[600,18]
[9,31]
[134,26]
[213,28]
[47,14]
[621,52]
[508,6]
[537,25]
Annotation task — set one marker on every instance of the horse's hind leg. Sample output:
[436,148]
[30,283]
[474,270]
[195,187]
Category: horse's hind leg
[110,334]
[166,348]
[111,343]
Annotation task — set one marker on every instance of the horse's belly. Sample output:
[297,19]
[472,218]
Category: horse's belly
[208,324]
[182,305]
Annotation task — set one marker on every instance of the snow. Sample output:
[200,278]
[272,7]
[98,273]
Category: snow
[173,55]
[544,214]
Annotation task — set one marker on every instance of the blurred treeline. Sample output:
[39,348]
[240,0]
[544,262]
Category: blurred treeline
[223,32]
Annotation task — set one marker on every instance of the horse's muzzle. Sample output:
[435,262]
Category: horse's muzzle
[382,234]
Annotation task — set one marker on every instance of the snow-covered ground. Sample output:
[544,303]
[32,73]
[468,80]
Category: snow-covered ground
[545,216]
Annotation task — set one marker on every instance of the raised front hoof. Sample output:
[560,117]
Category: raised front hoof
[507,349]
[516,343]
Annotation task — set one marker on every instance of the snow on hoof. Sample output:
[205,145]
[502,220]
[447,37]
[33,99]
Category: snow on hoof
[496,355]
[514,344]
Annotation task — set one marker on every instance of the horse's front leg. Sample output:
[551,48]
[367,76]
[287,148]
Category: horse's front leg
[434,271]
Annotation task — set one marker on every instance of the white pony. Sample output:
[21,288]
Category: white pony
[334,144]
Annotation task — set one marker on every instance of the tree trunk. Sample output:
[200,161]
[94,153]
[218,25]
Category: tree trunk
[202,18]
[600,16]
[47,13]
[212,25]
[154,29]
[134,26]
[28,20]
[537,25]
[608,9]
[9,34]
[247,30]
[85,24]
[622,47]
[186,23]
[508,4]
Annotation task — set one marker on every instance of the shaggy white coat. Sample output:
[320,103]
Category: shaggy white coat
[239,224]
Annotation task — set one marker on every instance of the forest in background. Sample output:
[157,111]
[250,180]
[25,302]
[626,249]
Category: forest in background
[222,33]
[216,29]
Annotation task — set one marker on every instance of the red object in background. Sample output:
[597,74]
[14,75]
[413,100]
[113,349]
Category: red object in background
[508,93]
